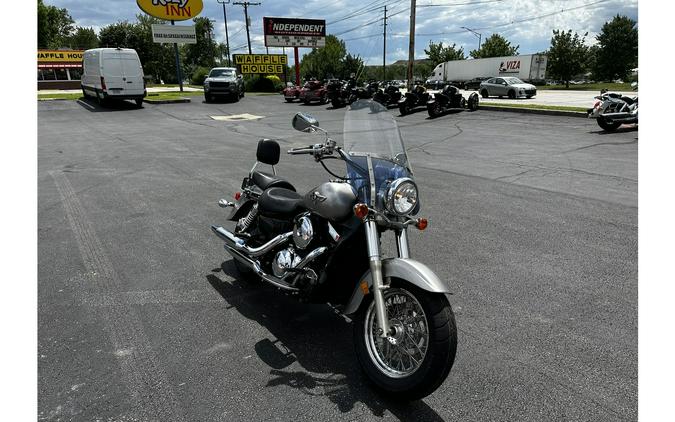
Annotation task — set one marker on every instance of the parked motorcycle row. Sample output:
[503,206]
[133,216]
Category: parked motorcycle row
[344,93]
[611,110]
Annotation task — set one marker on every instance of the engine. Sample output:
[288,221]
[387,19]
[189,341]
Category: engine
[285,259]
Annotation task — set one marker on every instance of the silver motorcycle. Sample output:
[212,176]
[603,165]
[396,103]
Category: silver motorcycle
[611,110]
[324,247]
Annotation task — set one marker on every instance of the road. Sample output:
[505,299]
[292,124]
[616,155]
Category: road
[533,224]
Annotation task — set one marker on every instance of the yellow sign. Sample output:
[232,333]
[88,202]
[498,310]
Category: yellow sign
[63,56]
[172,10]
[261,63]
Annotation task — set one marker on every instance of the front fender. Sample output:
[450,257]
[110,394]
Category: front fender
[408,270]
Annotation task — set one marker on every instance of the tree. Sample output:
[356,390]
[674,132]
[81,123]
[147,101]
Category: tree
[437,53]
[495,46]
[54,26]
[203,53]
[350,64]
[618,49]
[326,61]
[567,55]
[83,39]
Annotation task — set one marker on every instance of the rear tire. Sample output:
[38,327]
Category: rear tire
[512,95]
[605,125]
[424,328]
[139,102]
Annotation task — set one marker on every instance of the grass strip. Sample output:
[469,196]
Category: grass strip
[588,87]
[536,107]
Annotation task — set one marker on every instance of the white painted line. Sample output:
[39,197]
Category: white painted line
[237,117]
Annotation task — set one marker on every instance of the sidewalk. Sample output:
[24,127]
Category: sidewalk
[150,89]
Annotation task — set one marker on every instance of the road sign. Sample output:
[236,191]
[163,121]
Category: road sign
[292,32]
[174,34]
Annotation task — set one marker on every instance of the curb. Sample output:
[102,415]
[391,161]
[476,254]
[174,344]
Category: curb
[58,99]
[167,101]
[534,111]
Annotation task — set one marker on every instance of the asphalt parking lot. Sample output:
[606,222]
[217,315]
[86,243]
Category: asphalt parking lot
[533,224]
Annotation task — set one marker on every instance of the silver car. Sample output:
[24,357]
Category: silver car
[507,87]
[223,81]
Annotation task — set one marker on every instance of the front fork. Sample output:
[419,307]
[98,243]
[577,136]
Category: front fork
[373,241]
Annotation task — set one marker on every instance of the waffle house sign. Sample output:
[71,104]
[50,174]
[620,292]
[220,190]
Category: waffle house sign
[171,10]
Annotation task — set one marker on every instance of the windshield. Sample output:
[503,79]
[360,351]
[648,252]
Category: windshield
[371,131]
[220,73]
[512,81]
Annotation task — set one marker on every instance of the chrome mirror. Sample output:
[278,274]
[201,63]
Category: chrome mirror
[304,122]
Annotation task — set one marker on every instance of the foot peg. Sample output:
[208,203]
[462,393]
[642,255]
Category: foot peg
[225,204]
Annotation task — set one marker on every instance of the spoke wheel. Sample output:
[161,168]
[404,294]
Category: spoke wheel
[416,357]
[403,352]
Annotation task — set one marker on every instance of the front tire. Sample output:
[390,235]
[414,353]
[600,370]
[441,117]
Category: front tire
[434,110]
[484,93]
[425,342]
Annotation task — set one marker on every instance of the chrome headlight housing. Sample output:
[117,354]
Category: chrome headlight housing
[303,232]
[401,197]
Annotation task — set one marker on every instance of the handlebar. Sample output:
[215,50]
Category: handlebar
[303,150]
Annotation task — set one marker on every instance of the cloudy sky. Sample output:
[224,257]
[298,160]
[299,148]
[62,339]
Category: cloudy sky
[527,23]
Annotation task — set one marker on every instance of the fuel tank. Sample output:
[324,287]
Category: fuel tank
[333,201]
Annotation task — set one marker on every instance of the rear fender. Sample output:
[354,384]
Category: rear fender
[408,270]
[241,208]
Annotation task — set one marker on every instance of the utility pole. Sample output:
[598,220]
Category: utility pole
[384,48]
[246,4]
[179,74]
[411,46]
[227,37]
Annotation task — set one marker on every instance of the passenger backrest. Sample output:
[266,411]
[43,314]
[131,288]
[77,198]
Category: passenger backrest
[268,152]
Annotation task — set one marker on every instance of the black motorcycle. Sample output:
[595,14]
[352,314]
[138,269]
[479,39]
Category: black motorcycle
[390,95]
[450,99]
[418,97]
[324,247]
[341,94]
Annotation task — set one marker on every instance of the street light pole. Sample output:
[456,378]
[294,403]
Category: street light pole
[411,44]
[227,37]
[479,35]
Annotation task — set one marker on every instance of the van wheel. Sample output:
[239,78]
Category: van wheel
[139,102]
[84,94]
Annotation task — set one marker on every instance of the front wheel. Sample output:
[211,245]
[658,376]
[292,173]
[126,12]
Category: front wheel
[433,109]
[418,355]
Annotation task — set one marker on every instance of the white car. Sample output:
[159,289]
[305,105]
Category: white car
[507,86]
[113,73]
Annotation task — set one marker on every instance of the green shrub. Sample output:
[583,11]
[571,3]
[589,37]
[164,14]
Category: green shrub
[278,85]
[199,75]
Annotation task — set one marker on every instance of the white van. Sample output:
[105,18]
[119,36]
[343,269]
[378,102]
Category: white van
[113,73]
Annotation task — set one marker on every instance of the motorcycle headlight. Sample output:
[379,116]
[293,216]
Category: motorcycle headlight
[401,197]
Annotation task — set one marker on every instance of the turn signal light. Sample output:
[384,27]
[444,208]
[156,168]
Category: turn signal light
[361,211]
[422,223]
[237,196]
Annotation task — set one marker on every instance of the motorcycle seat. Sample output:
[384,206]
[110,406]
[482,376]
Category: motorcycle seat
[266,181]
[280,202]
[628,100]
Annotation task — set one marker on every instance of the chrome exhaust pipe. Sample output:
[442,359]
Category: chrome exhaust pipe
[255,266]
[238,244]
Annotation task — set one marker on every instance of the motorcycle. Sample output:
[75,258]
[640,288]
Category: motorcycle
[611,110]
[387,96]
[340,93]
[450,99]
[314,91]
[418,97]
[324,247]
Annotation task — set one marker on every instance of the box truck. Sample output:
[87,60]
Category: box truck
[530,68]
